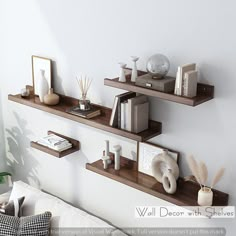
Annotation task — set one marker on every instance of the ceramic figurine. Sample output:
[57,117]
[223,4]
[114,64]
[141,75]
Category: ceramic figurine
[122,77]
[51,98]
[42,86]
[117,149]
[134,74]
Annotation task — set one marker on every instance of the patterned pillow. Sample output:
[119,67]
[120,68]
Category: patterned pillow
[37,225]
[12,208]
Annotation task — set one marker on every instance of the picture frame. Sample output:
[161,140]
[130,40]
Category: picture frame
[147,151]
[41,63]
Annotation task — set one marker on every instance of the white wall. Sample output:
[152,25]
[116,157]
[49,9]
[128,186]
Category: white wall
[90,37]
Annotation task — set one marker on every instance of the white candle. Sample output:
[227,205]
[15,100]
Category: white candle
[205,197]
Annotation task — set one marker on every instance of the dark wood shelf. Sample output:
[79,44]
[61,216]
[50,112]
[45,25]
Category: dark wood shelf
[186,194]
[100,122]
[204,92]
[75,147]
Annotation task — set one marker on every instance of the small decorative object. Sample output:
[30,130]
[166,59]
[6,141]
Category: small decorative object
[39,64]
[134,74]
[84,85]
[42,86]
[107,152]
[158,66]
[122,77]
[200,172]
[105,160]
[25,93]
[179,83]
[51,98]
[165,170]
[117,149]
[146,153]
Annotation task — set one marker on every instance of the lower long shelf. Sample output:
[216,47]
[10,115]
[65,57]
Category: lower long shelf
[186,194]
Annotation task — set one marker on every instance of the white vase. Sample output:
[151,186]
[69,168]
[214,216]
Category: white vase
[205,197]
[42,86]
[122,77]
[134,74]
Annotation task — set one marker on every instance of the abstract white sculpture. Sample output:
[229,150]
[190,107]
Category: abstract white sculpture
[117,149]
[122,77]
[134,74]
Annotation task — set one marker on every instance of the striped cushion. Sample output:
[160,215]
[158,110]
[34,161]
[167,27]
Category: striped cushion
[37,225]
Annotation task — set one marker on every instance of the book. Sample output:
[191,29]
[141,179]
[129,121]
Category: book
[180,77]
[58,148]
[131,103]
[54,140]
[124,114]
[93,112]
[141,117]
[115,119]
[190,84]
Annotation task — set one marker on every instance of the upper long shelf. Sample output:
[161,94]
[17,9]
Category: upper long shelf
[204,92]
[100,122]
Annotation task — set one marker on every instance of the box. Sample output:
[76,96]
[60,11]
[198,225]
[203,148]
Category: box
[166,84]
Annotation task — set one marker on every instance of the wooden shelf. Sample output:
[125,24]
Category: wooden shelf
[100,122]
[204,92]
[75,147]
[186,194]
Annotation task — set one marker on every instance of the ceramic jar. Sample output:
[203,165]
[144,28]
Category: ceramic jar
[51,98]
[42,86]
[205,197]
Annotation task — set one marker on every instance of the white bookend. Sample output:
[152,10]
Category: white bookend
[190,84]
[131,103]
[183,70]
[141,117]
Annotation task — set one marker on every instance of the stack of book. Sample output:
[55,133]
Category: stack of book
[186,80]
[55,142]
[130,112]
[93,112]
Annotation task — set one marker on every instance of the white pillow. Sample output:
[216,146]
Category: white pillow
[64,215]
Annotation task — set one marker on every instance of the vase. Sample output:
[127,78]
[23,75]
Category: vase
[205,197]
[134,74]
[122,77]
[51,98]
[42,86]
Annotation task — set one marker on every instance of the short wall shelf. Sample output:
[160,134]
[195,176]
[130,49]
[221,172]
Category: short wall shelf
[204,92]
[186,194]
[100,122]
[75,147]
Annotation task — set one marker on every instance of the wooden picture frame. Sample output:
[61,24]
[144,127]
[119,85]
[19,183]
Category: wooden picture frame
[41,63]
[147,151]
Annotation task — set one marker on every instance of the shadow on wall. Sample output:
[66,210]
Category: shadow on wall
[21,163]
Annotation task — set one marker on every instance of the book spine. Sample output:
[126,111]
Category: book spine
[123,123]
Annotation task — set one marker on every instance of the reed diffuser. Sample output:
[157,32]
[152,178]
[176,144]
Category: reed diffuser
[84,85]
[200,172]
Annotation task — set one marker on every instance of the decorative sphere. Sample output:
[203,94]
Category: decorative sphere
[158,66]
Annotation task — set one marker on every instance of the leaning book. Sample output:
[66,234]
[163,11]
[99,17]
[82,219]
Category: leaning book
[93,112]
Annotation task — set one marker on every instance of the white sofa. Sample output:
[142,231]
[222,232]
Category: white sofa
[64,216]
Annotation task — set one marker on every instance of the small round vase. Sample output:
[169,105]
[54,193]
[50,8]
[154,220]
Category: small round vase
[51,98]
[205,197]
[42,86]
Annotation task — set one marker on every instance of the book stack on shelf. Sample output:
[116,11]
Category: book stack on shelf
[130,112]
[55,142]
[93,112]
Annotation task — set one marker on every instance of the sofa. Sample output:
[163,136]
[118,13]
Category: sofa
[66,219]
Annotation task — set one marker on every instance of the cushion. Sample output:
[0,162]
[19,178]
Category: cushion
[37,225]
[12,208]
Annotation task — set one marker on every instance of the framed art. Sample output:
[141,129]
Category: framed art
[38,64]
[147,151]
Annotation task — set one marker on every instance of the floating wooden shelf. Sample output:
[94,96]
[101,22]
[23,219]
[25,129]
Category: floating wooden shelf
[75,147]
[100,122]
[204,92]
[186,194]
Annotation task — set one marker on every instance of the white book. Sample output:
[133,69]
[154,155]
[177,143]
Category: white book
[57,148]
[54,140]
[177,82]
[190,84]
[124,106]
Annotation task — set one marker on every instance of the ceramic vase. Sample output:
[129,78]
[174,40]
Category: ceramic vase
[51,98]
[42,86]
[205,197]
[122,77]
[134,74]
